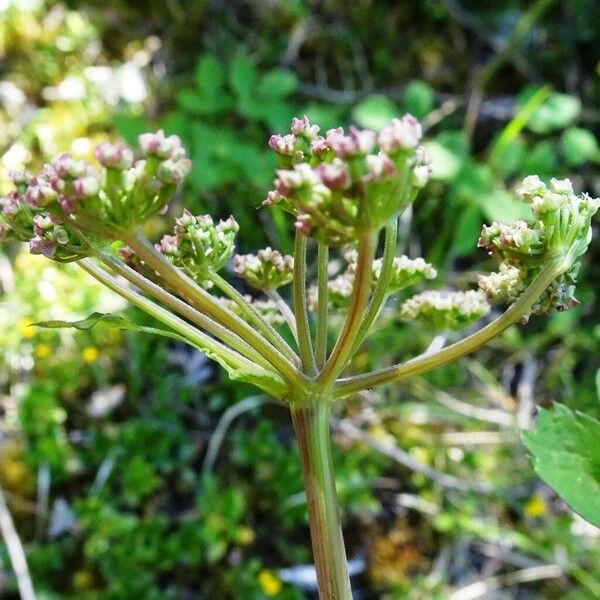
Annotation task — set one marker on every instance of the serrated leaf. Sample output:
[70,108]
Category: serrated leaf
[578,146]
[374,112]
[566,455]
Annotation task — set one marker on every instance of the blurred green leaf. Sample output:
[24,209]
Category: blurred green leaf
[556,112]
[541,159]
[419,98]
[278,84]
[445,163]
[374,112]
[566,455]
[242,76]
[578,146]
[209,76]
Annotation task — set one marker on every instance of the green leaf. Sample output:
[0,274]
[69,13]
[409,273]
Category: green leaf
[578,146]
[374,112]
[445,164]
[468,230]
[558,111]
[541,159]
[209,76]
[278,84]
[419,98]
[242,76]
[566,455]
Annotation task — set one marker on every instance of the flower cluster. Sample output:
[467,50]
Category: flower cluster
[343,185]
[266,270]
[405,272]
[446,310]
[71,199]
[560,230]
[198,246]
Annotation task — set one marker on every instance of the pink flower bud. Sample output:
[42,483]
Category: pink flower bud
[302,127]
[65,166]
[39,193]
[335,175]
[156,144]
[283,144]
[273,197]
[43,246]
[357,142]
[116,156]
[173,171]
[379,167]
[401,134]
[319,146]
[85,187]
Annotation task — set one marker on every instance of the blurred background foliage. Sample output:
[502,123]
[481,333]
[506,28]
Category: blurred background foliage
[133,467]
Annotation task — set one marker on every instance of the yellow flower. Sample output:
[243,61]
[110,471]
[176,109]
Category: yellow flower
[25,328]
[42,350]
[536,507]
[89,354]
[269,583]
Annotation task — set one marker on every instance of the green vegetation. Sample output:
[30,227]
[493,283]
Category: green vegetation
[132,466]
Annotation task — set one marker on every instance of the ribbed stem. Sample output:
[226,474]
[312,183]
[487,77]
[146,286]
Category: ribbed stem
[380,292]
[254,317]
[311,424]
[300,311]
[360,298]
[321,334]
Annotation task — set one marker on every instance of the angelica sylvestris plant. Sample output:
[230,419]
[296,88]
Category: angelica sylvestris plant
[345,192]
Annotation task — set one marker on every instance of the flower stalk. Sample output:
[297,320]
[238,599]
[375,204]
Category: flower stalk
[342,190]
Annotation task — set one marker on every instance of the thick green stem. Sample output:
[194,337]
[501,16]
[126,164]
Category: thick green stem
[300,311]
[311,424]
[206,303]
[380,292]
[360,297]
[321,334]
[254,317]
[426,362]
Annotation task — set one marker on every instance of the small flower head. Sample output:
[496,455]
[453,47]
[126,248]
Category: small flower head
[266,270]
[283,144]
[159,146]
[302,128]
[199,246]
[405,272]
[400,135]
[446,310]
[358,142]
[114,156]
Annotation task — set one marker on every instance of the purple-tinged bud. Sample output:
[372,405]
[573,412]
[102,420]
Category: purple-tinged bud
[303,128]
[21,179]
[39,193]
[401,135]
[335,175]
[273,197]
[86,187]
[303,224]
[283,144]
[67,204]
[301,175]
[319,146]
[173,171]
[65,166]
[266,270]
[41,223]
[357,142]
[114,156]
[167,245]
[421,175]
[43,246]
[379,166]
[156,144]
